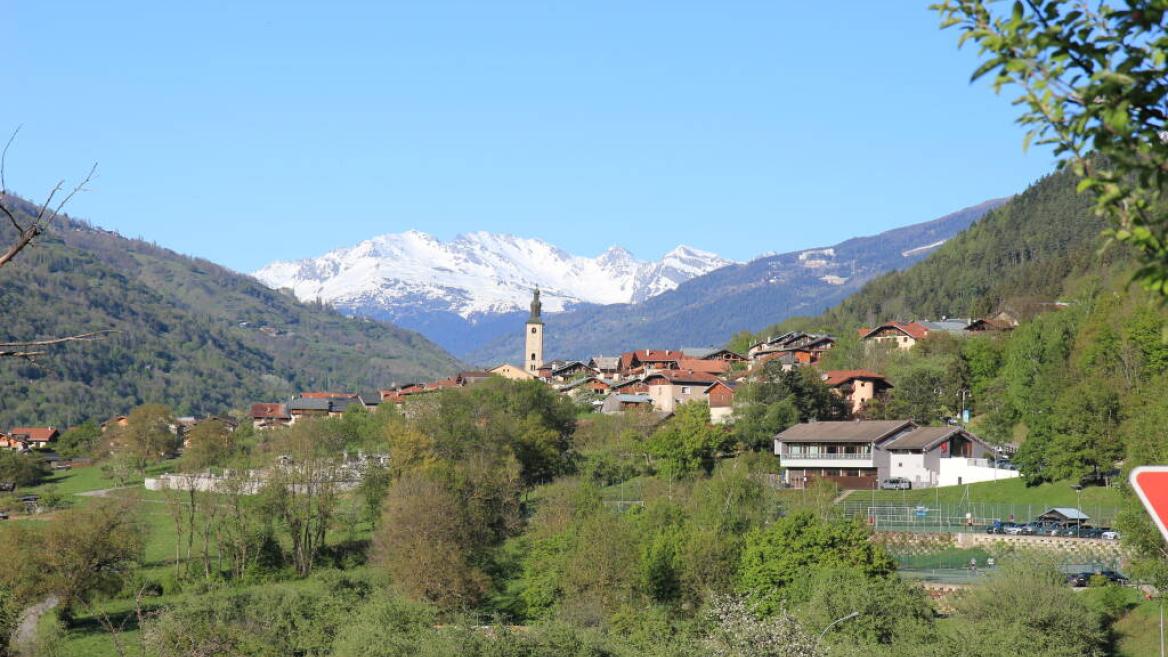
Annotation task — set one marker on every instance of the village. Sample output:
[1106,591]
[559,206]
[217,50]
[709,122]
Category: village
[854,454]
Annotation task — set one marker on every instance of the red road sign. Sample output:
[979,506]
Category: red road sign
[1151,484]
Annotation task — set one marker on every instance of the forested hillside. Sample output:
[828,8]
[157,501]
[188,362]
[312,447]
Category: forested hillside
[187,333]
[1019,253]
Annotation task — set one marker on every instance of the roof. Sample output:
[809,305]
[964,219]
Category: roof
[588,379]
[317,404]
[708,366]
[269,410]
[839,377]
[725,384]
[992,324]
[605,362]
[950,325]
[310,404]
[570,365]
[924,437]
[699,352]
[911,329]
[1069,513]
[35,434]
[633,399]
[328,395]
[681,377]
[869,431]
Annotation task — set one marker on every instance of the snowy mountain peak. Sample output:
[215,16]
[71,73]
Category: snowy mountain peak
[476,273]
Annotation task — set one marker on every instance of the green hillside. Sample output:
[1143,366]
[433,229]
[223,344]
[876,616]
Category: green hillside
[189,333]
[1019,253]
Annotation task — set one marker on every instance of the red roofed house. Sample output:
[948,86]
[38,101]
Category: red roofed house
[644,360]
[707,366]
[857,387]
[267,416]
[670,388]
[720,396]
[902,334]
[31,437]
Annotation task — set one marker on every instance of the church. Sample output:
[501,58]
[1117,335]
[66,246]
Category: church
[532,346]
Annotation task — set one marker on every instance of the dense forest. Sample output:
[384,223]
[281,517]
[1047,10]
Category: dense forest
[1018,254]
[185,332]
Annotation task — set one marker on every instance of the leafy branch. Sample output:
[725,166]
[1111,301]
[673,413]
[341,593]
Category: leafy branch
[1094,86]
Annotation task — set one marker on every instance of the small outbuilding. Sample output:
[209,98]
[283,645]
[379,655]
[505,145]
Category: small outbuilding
[1066,515]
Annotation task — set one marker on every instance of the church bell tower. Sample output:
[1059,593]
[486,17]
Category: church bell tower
[533,332]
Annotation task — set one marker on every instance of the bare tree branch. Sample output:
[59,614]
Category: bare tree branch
[44,216]
[4,159]
[31,349]
[83,337]
[21,349]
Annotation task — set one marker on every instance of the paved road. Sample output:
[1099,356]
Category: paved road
[26,631]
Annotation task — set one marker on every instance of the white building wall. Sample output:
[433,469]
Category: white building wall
[955,471]
[912,467]
[721,415]
[662,396]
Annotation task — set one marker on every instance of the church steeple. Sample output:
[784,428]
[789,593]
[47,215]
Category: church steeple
[536,307]
[533,336]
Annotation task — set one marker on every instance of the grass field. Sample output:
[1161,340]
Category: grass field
[1138,632]
[1007,491]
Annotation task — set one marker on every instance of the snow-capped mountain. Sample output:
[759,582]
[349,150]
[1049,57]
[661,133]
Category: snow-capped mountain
[478,274]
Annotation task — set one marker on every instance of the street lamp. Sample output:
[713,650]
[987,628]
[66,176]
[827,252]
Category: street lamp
[834,623]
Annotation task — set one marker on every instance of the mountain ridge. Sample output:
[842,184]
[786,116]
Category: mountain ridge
[189,333]
[478,272]
[708,309]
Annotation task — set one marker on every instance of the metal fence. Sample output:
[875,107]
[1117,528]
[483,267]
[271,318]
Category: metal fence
[967,516]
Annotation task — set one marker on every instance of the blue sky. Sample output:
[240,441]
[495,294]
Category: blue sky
[247,132]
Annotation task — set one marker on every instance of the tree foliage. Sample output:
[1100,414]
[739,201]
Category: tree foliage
[1093,83]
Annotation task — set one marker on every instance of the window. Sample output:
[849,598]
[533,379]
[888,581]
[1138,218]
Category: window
[685,390]
[533,356]
[534,330]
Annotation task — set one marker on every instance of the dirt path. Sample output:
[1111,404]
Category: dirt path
[842,496]
[26,631]
[103,492]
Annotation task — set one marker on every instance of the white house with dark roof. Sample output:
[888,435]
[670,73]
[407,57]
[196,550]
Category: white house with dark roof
[859,454]
[943,456]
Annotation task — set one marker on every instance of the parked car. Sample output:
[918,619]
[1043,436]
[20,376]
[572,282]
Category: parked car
[1113,576]
[896,483]
[1082,579]
[1014,530]
[1110,535]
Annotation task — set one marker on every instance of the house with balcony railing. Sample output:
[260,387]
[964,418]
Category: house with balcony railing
[859,454]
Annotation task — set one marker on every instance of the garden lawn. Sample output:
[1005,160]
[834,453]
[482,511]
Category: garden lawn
[1007,491]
